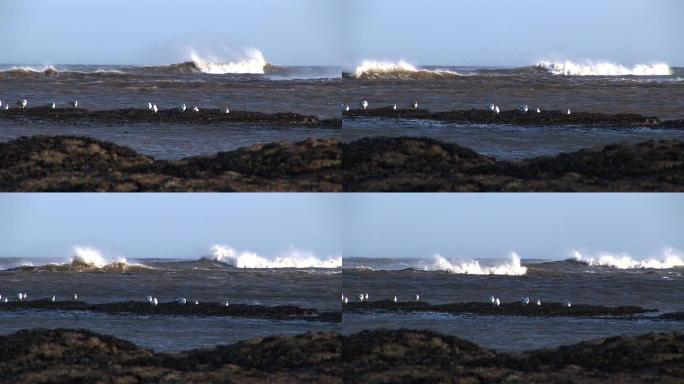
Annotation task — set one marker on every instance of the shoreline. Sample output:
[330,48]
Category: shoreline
[371,356]
[173,308]
[516,117]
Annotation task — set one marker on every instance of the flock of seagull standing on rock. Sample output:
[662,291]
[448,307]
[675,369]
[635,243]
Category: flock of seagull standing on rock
[492,108]
[495,301]
[22,296]
[23,103]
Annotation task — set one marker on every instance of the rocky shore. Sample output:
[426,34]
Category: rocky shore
[421,164]
[505,309]
[378,356]
[174,308]
[144,116]
[69,163]
[517,117]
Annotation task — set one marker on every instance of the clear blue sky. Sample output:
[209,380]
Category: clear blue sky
[537,225]
[288,32]
[513,33]
[167,225]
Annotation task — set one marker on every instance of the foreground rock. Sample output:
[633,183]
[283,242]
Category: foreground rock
[516,117]
[505,309]
[280,312]
[144,116]
[68,163]
[421,164]
[379,356]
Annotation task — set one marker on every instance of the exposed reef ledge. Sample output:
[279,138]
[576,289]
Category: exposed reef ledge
[377,356]
[516,117]
[144,116]
[280,312]
[506,309]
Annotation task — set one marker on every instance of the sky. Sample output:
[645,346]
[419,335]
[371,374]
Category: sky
[535,225]
[169,225]
[152,32]
[342,32]
[514,33]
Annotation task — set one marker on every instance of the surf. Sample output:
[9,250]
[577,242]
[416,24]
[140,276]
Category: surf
[373,69]
[670,258]
[602,68]
[473,267]
[293,258]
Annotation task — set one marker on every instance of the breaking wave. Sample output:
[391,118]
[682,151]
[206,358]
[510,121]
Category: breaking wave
[372,69]
[31,71]
[253,63]
[669,259]
[473,267]
[603,68]
[86,259]
[293,258]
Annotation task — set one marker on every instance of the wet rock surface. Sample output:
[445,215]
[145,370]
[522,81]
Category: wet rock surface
[505,309]
[69,163]
[517,117]
[378,356]
[422,164]
[281,312]
[144,116]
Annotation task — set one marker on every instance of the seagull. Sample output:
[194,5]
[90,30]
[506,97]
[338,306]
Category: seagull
[24,296]
[497,302]
[361,297]
[345,300]
[75,297]
[569,305]
[149,106]
[365,297]
[395,299]
[155,302]
[492,107]
[20,296]
[568,111]
[195,109]
[417,297]
[526,301]
[52,299]
[346,108]
[394,107]
[53,105]
[343,297]
[0,103]
[154,108]
[22,103]
[183,108]
[415,104]
[364,104]
[74,104]
[149,299]
[538,110]
[497,110]
[538,302]
[182,301]
[492,299]
[525,109]
[195,302]
[226,303]
[227,110]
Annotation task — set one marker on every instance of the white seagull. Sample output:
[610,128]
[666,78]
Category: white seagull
[149,299]
[195,302]
[342,297]
[22,103]
[568,111]
[227,110]
[365,297]
[155,302]
[538,302]
[182,301]
[364,104]
[75,296]
[415,104]
[226,303]
[569,305]
[53,105]
[417,297]
[361,297]
[492,299]
[538,110]
[195,109]
[526,301]
[154,108]
[525,109]
[394,107]
[182,108]
[74,104]
[0,103]
[52,299]
[346,108]
[345,300]
[395,299]
[20,296]
[149,106]
[491,107]
[497,110]
[497,302]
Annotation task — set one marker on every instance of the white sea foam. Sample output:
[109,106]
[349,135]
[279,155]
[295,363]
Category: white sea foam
[252,63]
[92,257]
[374,68]
[670,258]
[603,68]
[473,267]
[293,258]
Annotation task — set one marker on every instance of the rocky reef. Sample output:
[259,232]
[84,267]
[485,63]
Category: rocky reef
[280,312]
[377,356]
[517,117]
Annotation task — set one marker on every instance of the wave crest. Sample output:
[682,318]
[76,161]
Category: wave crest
[372,69]
[253,63]
[669,259]
[473,267]
[294,258]
[603,68]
